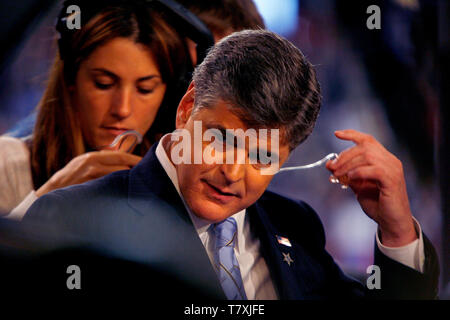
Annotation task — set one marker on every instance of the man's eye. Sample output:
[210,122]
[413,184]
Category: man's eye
[254,157]
[230,141]
[258,161]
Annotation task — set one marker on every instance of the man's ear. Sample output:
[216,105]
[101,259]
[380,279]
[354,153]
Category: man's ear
[185,107]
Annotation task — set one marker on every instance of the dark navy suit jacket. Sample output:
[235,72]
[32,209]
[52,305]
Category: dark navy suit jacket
[138,216]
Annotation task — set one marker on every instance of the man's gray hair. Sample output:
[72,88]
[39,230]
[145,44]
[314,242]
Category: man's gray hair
[265,79]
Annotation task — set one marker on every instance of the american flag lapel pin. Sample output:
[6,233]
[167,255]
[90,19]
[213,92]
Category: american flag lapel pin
[284,241]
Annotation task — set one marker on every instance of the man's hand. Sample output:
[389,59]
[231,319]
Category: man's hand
[376,176]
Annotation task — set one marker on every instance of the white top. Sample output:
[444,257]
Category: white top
[255,274]
[16,184]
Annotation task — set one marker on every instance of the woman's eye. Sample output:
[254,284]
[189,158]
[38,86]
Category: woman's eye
[144,90]
[102,85]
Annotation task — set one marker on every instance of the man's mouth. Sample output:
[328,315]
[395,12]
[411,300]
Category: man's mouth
[222,195]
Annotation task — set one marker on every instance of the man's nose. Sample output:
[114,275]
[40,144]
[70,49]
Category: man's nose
[233,172]
[121,105]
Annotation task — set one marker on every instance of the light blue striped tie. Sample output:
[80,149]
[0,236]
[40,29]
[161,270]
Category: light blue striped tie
[227,266]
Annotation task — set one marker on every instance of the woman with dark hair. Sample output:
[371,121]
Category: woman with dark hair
[115,74]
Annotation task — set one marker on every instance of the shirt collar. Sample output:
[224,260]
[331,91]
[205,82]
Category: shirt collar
[201,225]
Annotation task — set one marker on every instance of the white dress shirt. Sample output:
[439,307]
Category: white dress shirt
[412,254]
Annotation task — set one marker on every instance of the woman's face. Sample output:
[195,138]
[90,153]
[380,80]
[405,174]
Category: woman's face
[117,88]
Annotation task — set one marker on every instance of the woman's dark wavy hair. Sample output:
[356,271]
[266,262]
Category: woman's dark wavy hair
[57,136]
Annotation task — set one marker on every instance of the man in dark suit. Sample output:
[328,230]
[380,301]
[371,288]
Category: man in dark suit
[197,207]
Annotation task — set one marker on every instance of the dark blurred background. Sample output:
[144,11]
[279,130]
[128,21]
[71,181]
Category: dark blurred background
[392,83]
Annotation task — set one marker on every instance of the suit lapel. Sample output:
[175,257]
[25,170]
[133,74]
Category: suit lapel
[149,182]
[149,178]
[283,271]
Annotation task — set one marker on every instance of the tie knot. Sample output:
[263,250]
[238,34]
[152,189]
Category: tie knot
[225,232]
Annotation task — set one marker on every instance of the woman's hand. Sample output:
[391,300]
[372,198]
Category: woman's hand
[89,166]
[376,177]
